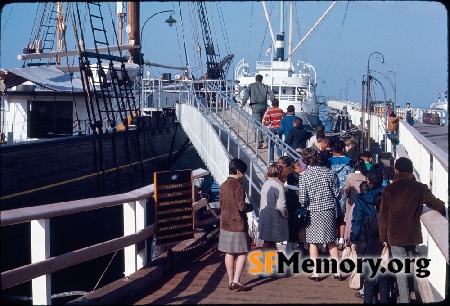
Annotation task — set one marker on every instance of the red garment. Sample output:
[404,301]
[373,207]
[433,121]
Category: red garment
[273,116]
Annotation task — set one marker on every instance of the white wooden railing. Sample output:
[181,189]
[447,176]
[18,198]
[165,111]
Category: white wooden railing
[42,265]
[431,168]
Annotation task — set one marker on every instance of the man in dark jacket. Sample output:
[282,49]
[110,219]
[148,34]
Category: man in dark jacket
[364,204]
[258,92]
[298,136]
[399,218]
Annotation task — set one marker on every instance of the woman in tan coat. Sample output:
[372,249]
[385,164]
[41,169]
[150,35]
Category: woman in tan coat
[234,239]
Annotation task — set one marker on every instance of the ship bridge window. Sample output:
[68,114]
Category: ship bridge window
[288,90]
[49,119]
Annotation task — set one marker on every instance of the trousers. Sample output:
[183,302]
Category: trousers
[402,252]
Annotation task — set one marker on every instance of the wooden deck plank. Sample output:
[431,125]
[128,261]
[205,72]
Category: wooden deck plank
[204,281]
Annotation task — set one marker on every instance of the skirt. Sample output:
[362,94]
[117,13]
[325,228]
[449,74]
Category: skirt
[234,242]
[322,227]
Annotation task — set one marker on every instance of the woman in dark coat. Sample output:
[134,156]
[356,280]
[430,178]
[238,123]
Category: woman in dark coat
[234,239]
[292,204]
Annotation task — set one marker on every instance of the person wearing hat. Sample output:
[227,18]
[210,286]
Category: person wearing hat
[287,122]
[399,217]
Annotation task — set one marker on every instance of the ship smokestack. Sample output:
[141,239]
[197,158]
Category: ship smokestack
[280,46]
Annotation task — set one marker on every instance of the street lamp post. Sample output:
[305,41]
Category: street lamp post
[395,87]
[340,92]
[392,84]
[368,95]
[346,89]
[170,21]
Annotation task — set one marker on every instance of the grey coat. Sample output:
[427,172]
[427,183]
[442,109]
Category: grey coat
[257,92]
[273,222]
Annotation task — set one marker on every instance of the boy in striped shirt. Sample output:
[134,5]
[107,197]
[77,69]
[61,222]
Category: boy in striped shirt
[272,119]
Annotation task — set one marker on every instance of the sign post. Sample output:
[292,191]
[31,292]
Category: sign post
[174,213]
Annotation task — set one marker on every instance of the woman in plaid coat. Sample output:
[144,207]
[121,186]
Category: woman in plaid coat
[318,193]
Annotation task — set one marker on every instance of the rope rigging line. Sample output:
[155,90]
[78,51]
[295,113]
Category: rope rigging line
[104,271]
[178,37]
[250,30]
[6,23]
[261,49]
[188,66]
[337,40]
[194,33]
[299,31]
[224,29]
[115,36]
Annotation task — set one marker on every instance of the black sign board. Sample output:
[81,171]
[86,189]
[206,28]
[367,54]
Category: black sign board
[174,212]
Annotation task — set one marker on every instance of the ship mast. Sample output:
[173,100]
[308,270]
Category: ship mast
[133,29]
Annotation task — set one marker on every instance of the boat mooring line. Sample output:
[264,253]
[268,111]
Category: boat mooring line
[75,179]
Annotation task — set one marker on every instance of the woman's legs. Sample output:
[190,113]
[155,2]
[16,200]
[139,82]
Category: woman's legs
[334,253]
[229,264]
[313,254]
[239,267]
[235,267]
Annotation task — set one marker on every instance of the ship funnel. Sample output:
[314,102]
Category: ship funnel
[280,46]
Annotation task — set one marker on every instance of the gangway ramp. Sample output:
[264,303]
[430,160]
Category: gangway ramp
[220,130]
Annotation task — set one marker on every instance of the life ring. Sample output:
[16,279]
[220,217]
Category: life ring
[283,82]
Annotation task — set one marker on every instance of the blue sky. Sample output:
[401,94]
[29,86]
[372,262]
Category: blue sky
[411,35]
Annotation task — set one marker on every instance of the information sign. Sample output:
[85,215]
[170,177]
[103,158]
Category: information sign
[174,213]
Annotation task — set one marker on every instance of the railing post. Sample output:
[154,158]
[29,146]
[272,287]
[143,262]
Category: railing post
[40,251]
[141,213]
[129,227]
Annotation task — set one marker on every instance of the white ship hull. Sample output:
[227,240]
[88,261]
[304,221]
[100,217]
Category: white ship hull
[290,87]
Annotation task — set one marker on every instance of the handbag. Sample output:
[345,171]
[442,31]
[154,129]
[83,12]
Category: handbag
[346,253]
[354,281]
[385,256]
[303,215]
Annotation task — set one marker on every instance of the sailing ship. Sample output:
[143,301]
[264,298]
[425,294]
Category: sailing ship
[290,85]
[87,125]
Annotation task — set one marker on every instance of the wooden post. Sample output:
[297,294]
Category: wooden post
[40,251]
[129,227]
[133,21]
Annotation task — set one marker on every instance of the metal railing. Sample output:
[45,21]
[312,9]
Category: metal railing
[42,266]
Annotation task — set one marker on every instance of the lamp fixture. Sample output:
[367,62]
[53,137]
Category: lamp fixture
[170,20]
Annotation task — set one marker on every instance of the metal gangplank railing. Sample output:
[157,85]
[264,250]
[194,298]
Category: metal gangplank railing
[220,130]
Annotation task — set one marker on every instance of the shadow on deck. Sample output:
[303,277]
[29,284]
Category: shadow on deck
[205,281]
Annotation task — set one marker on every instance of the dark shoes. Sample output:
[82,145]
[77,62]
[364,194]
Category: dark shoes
[314,278]
[260,144]
[339,277]
[238,287]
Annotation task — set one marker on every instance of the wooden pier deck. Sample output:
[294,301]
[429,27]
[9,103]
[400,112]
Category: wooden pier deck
[437,134]
[204,281]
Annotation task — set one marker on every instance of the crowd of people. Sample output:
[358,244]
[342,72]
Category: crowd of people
[350,204]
